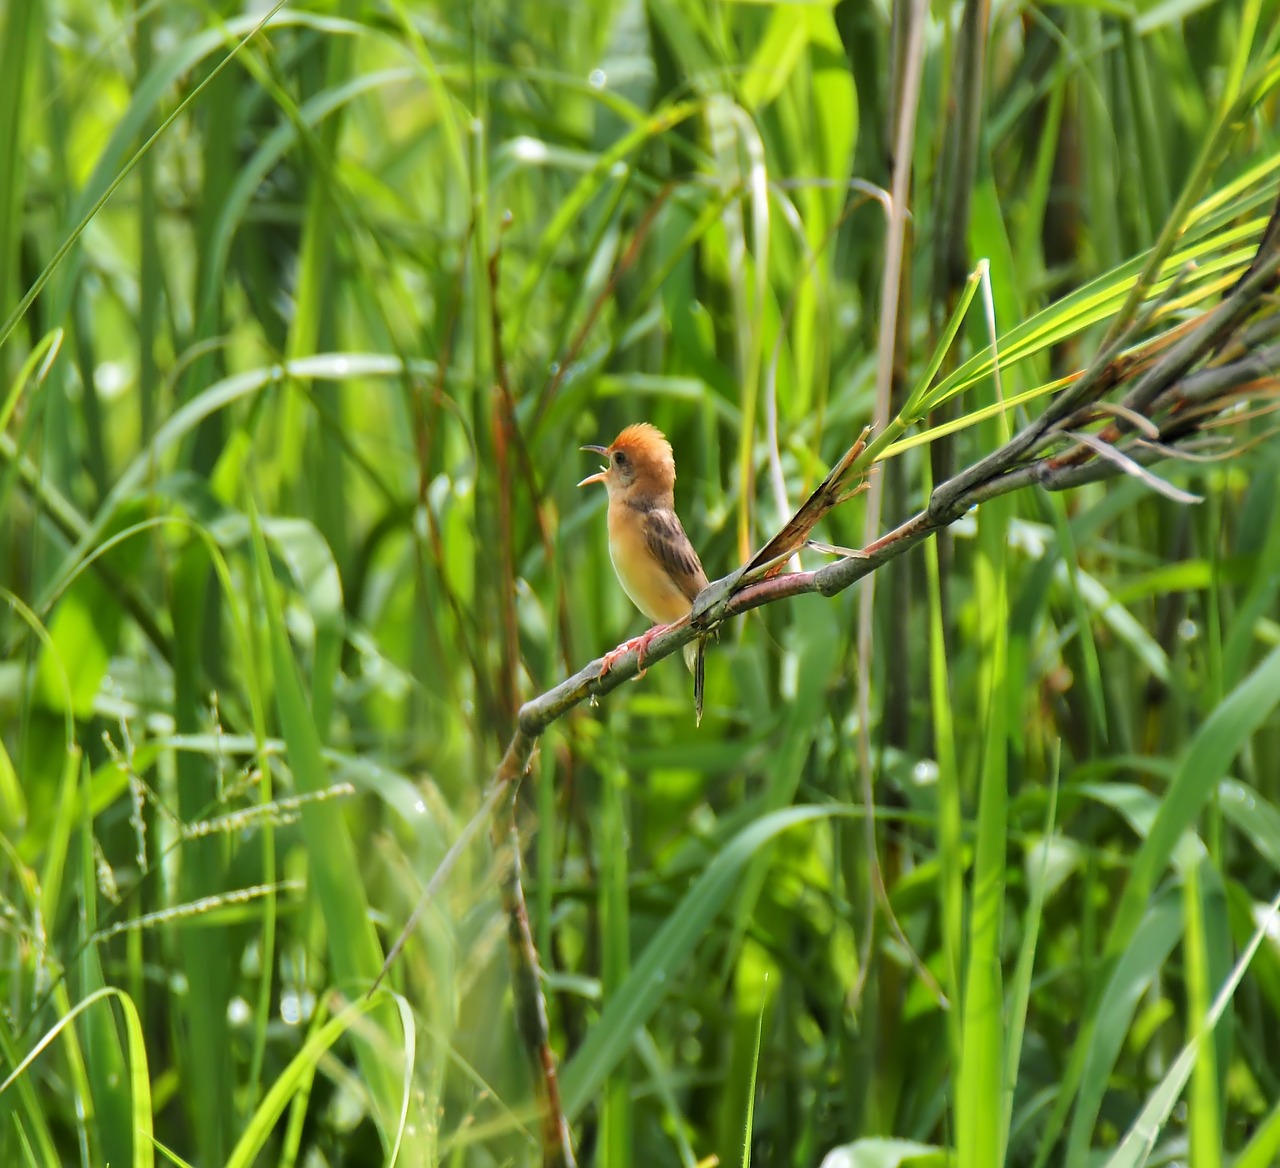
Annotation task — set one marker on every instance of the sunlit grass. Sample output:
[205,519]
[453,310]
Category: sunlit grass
[303,325]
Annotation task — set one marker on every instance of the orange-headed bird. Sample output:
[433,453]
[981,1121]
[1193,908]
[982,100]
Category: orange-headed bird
[652,555]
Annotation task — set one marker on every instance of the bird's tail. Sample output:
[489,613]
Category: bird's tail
[695,658]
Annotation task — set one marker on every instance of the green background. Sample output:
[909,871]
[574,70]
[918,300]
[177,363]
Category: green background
[303,326]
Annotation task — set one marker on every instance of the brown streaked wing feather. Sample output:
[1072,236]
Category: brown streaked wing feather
[666,539]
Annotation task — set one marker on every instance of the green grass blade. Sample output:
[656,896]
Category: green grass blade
[665,955]
[354,953]
[300,1069]
[749,1117]
[981,1073]
[1135,1149]
[139,1111]
[1223,735]
[616,1121]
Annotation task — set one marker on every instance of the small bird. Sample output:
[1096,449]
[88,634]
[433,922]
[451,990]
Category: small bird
[652,555]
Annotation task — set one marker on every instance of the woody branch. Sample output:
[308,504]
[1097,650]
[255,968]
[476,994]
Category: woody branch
[1175,413]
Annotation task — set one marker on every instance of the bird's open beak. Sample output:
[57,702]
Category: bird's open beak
[598,477]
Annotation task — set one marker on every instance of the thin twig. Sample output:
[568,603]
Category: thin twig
[526,985]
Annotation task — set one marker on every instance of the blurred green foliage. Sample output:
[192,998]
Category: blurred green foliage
[304,322]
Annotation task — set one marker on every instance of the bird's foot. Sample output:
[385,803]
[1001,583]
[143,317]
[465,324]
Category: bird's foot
[640,644]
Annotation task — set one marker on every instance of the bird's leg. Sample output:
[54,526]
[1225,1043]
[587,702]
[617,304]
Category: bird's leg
[640,644]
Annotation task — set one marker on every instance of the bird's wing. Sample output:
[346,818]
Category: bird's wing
[669,545]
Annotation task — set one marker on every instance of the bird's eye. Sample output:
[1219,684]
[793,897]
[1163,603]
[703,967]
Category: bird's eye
[619,458]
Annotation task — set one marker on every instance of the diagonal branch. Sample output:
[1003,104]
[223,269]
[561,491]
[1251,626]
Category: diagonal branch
[739,592]
[1254,369]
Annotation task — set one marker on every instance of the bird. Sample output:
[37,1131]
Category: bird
[652,556]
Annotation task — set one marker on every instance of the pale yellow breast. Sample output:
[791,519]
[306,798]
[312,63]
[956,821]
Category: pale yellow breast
[642,577]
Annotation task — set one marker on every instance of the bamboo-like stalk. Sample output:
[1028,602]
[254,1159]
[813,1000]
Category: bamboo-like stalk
[892,394]
[958,170]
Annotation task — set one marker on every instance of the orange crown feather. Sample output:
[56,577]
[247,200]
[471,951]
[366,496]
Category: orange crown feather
[649,449]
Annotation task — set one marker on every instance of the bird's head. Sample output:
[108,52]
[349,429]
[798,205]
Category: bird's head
[638,462]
